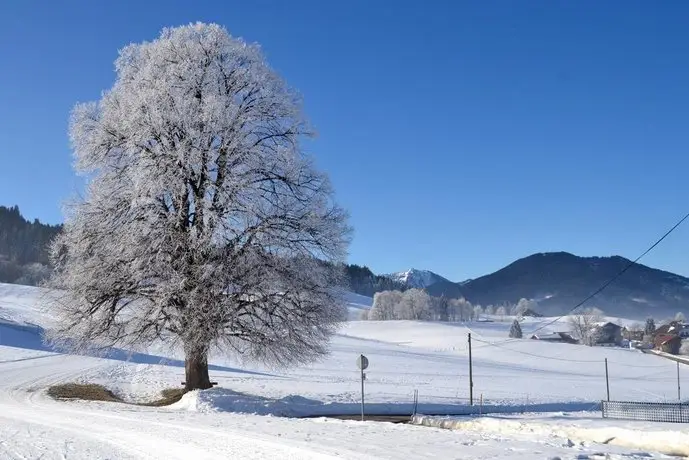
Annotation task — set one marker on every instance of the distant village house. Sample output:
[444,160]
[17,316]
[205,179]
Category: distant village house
[556,337]
[668,337]
[531,313]
[668,343]
[608,334]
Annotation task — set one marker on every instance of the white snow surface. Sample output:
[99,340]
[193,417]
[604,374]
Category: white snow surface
[356,304]
[244,416]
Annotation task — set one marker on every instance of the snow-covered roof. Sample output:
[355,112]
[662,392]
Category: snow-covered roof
[552,336]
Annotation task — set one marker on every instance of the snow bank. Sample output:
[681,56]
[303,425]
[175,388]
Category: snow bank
[670,442]
[224,400]
[679,358]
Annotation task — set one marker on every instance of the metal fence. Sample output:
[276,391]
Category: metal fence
[647,411]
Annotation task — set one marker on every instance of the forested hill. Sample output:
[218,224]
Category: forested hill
[363,281]
[559,280]
[24,255]
[23,247]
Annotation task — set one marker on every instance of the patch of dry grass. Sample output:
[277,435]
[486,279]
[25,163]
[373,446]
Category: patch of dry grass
[85,391]
[169,396]
[93,392]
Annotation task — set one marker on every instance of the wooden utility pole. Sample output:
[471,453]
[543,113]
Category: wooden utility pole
[607,381]
[679,391]
[471,376]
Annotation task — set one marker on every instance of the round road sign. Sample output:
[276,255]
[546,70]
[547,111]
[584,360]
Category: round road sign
[362,362]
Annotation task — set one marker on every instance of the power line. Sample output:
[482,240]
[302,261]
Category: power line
[555,358]
[611,280]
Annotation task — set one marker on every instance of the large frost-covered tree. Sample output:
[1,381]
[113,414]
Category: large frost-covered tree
[203,224]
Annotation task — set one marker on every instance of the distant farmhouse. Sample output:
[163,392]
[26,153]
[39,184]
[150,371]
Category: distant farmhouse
[555,337]
[668,343]
[668,337]
[608,334]
[673,328]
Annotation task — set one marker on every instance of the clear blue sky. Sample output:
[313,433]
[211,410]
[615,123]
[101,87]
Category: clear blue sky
[460,135]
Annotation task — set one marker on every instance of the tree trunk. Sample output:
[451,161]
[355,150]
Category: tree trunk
[196,371]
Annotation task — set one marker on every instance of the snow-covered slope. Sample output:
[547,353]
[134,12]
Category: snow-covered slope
[404,355]
[356,304]
[416,278]
[358,301]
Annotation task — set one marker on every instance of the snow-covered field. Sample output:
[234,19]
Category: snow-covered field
[515,375]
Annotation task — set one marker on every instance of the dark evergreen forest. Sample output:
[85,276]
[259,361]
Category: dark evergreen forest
[24,247]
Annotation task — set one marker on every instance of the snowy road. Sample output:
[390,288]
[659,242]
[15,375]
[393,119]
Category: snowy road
[35,426]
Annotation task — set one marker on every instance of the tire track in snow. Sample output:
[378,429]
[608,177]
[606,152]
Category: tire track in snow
[125,431]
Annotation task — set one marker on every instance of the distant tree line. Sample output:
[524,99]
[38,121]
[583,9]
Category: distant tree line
[416,304]
[24,247]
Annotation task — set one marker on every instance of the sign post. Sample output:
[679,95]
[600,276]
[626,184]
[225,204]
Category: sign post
[362,364]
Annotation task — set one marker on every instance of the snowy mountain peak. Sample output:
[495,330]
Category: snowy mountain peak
[416,278]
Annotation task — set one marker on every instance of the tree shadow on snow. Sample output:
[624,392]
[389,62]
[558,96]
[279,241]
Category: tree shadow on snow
[30,337]
[226,400]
